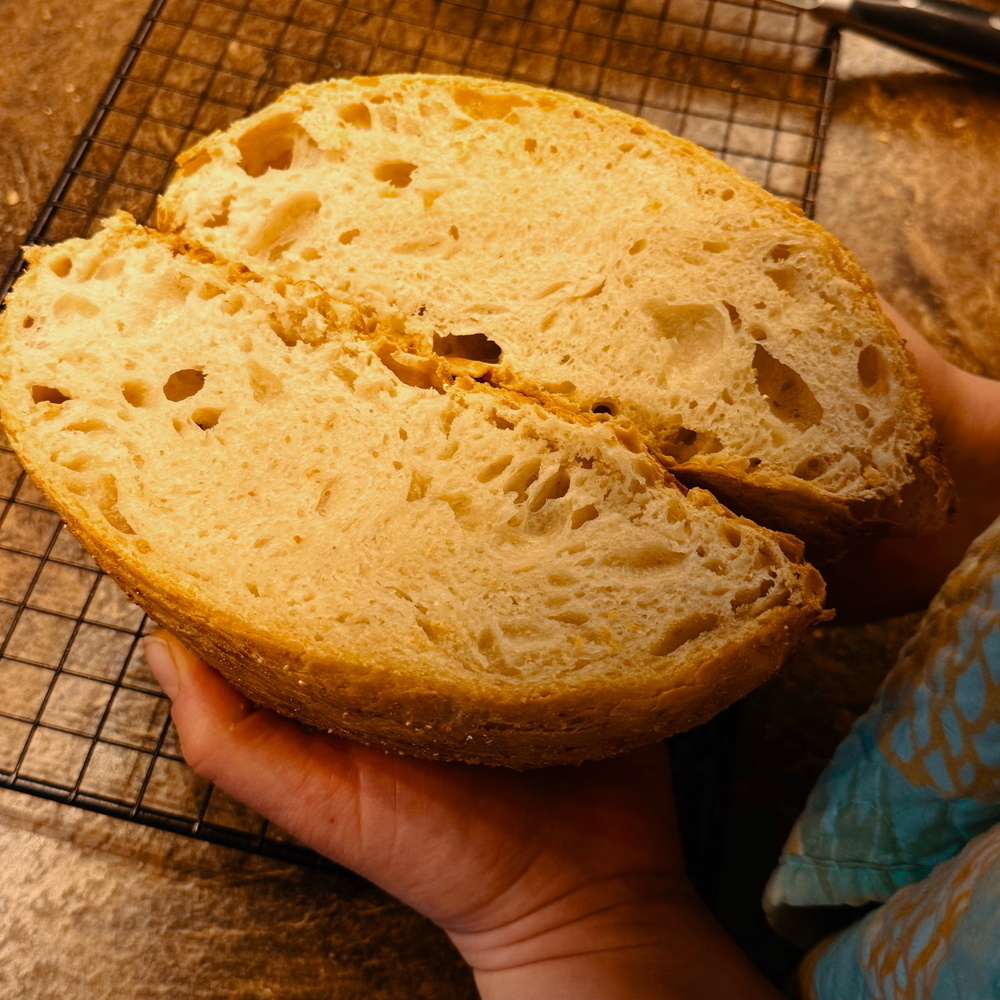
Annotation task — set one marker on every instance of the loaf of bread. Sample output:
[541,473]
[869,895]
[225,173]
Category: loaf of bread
[600,259]
[418,420]
[369,539]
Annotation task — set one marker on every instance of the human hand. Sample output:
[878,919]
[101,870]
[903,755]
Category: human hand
[558,883]
[896,575]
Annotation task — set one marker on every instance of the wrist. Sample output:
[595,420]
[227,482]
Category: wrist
[648,939]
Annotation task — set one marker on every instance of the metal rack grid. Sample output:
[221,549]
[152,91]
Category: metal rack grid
[81,719]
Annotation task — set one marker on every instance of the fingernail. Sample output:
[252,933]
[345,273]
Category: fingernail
[161,661]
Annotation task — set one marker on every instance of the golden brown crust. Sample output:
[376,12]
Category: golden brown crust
[518,726]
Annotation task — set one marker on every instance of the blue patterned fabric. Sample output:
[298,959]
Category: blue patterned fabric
[906,815]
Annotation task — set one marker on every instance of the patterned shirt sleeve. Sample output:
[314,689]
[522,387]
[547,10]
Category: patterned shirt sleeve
[906,815]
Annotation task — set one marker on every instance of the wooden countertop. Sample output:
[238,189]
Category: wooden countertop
[92,907]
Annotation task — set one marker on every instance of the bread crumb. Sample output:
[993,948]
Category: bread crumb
[13,198]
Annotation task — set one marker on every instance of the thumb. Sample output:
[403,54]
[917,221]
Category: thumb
[305,782]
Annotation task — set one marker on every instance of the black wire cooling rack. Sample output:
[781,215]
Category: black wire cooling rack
[81,719]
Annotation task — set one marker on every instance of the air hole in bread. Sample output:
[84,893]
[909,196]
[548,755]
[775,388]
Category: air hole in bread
[582,515]
[284,222]
[757,332]
[209,291]
[732,534]
[433,631]
[253,589]
[530,145]
[221,217]
[419,484]
[412,369]
[644,557]
[883,431]
[359,115]
[522,479]
[470,346]
[481,104]
[553,487]
[87,426]
[787,279]
[233,304]
[497,420]
[486,642]
[735,320]
[324,502]
[264,384]
[811,468]
[570,618]
[779,252]
[206,418]
[787,395]
[28,322]
[194,164]
[48,394]
[109,269]
[180,287]
[460,504]
[727,194]
[715,246]
[638,247]
[61,267]
[862,411]
[746,596]
[75,306]
[606,406]
[398,173]
[348,236]
[548,320]
[870,367]
[272,145]
[495,469]
[682,443]
[183,384]
[105,495]
[695,328]
[684,631]
[422,246]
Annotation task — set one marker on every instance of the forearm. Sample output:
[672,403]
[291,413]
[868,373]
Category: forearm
[655,949]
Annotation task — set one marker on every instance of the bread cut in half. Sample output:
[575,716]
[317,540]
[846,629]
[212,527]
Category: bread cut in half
[379,542]
[588,254]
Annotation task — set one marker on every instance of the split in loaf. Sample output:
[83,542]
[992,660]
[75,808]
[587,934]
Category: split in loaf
[371,540]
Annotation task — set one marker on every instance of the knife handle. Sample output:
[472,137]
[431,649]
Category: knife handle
[951,32]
